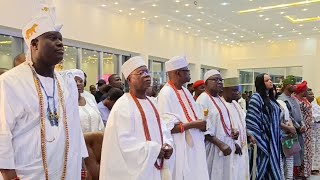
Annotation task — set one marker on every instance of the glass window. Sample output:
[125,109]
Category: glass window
[246,76]
[158,72]
[203,71]
[90,65]
[259,71]
[70,58]
[243,88]
[295,71]
[277,74]
[110,65]
[10,47]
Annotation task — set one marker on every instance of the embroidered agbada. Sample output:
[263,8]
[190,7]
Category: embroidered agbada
[126,154]
[20,146]
[265,127]
[186,162]
[219,166]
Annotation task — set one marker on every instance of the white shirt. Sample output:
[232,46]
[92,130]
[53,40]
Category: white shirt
[20,142]
[126,155]
[188,161]
[243,104]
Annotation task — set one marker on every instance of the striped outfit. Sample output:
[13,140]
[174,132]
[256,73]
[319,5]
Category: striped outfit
[265,127]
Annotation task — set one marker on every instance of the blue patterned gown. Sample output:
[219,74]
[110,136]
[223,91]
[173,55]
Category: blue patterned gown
[265,127]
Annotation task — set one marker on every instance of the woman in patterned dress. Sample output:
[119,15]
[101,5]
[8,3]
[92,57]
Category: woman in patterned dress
[306,110]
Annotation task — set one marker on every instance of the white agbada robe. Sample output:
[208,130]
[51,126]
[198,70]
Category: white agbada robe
[219,166]
[186,163]
[126,155]
[241,163]
[20,142]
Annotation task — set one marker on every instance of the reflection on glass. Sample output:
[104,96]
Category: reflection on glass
[90,65]
[70,58]
[295,71]
[10,47]
[110,65]
[246,76]
[158,72]
[277,74]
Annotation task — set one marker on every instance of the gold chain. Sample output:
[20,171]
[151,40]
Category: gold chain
[43,126]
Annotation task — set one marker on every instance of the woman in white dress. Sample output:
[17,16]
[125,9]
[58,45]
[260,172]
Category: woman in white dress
[90,117]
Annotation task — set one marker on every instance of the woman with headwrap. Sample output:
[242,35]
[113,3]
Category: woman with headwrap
[263,122]
[90,117]
[306,109]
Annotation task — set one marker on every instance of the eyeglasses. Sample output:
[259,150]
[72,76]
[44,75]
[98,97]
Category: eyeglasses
[217,80]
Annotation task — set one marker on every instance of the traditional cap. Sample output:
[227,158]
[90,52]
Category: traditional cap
[198,83]
[101,81]
[132,64]
[77,72]
[209,74]
[289,80]
[43,22]
[176,62]
[302,87]
[231,82]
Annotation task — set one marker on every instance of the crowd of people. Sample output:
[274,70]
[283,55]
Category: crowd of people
[208,130]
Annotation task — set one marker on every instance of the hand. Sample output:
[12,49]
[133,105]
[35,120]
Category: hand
[161,153]
[302,129]
[226,150]
[235,134]
[168,150]
[292,130]
[201,125]
[238,149]
[251,139]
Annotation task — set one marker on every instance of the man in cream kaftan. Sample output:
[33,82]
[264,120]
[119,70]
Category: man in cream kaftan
[189,159]
[126,154]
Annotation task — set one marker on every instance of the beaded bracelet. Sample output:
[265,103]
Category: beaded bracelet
[181,127]
[84,173]
[16,178]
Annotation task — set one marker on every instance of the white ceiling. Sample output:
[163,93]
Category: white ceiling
[219,20]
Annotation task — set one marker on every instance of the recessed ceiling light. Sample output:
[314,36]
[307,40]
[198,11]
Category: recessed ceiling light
[208,23]
[281,27]
[187,32]
[169,20]
[269,41]
[198,30]
[217,37]
[155,16]
[225,30]
[186,5]
[261,37]
[142,12]
[226,39]
[206,38]
[282,12]
[177,1]
[277,24]
[234,33]
[177,11]
[154,5]
[300,25]
[177,29]
[201,12]
[241,36]
[189,15]
[232,41]
[103,5]
[300,33]
[199,19]
[289,40]
[167,26]
[120,10]
[189,27]
[305,9]
[200,7]
[252,42]
[221,42]
[130,14]
[132,9]
[308,38]
[116,3]
[143,18]
[224,3]
[266,19]
[279,35]
[261,15]
[215,40]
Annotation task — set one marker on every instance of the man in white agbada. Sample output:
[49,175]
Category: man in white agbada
[220,135]
[238,116]
[40,134]
[135,143]
[182,117]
